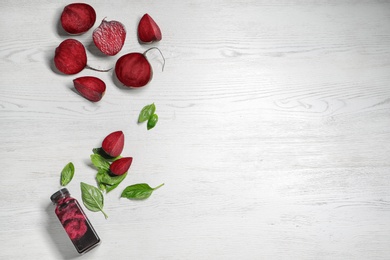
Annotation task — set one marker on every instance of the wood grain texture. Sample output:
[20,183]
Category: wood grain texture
[273,137]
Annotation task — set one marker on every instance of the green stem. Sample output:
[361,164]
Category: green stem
[104,213]
[158,186]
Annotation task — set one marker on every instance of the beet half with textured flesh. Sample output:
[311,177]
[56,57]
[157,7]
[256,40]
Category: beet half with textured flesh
[109,37]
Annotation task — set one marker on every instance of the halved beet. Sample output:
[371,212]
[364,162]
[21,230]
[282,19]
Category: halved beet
[134,70]
[91,88]
[78,18]
[148,30]
[109,37]
[70,57]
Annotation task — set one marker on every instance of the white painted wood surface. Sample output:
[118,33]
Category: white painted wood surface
[273,139]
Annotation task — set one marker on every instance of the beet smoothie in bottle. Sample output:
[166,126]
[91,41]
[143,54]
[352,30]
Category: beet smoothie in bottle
[74,221]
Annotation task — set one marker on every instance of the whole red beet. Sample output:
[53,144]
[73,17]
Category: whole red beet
[78,18]
[134,70]
[113,143]
[148,30]
[70,57]
[109,37]
[91,88]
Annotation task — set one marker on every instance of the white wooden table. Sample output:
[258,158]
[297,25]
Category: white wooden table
[273,140]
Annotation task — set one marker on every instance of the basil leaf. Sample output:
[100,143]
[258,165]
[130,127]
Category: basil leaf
[139,191]
[99,179]
[108,182]
[67,174]
[92,198]
[104,155]
[99,162]
[146,113]
[152,121]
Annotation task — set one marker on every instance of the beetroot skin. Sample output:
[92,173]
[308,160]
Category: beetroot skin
[91,88]
[78,18]
[109,37]
[148,30]
[133,70]
[70,57]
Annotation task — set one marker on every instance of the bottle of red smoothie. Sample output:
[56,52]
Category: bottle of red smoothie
[74,221]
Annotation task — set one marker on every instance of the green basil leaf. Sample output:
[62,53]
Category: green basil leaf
[92,198]
[99,162]
[102,153]
[108,182]
[152,121]
[146,113]
[99,179]
[111,187]
[138,191]
[67,174]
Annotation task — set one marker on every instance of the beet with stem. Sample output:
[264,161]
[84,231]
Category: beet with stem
[109,37]
[134,70]
[77,18]
[148,30]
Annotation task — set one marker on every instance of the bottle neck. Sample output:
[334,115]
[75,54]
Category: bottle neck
[60,195]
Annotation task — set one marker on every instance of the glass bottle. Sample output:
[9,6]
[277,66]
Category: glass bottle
[74,221]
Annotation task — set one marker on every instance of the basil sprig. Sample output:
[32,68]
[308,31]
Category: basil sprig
[92,198]
[139,191]
[106,181]
[67,174]
[146,112]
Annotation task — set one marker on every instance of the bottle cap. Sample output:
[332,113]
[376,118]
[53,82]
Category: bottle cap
[59,194]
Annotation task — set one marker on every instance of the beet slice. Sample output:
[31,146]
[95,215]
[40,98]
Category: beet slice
[134,70]
[70,57]
[77,18]
[148,30]
[121,166]
[109,37]
[91,88]
[113,143]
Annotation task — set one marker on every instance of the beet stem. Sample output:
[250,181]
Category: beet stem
[160,54]
[100,70]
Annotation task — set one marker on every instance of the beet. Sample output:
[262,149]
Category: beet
[70,57]
[91,88]
[148,30]
[109,37]
[121,166]
[134,70]
[78,18]
[113,143]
